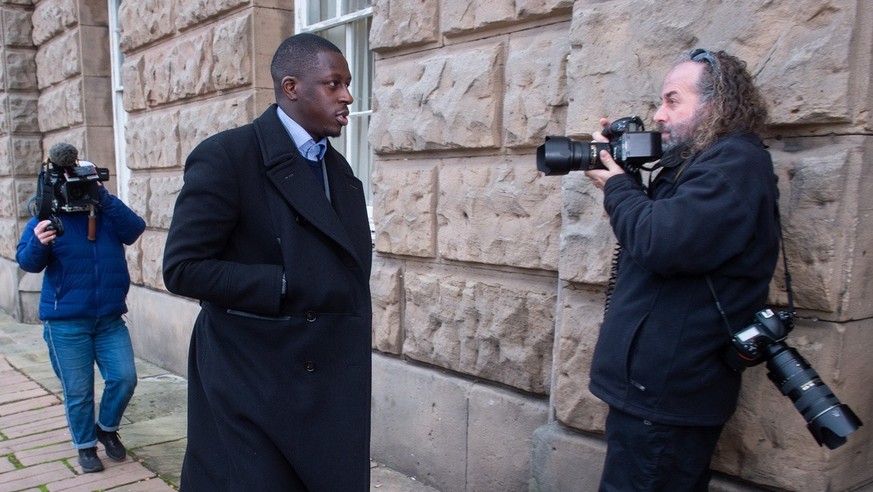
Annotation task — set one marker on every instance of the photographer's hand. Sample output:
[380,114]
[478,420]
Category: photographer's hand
[45,236]
[600,176]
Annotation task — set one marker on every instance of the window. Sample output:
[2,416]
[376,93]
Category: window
[346,23]
[119,117]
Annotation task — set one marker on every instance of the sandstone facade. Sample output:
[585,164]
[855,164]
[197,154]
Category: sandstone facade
[488,277]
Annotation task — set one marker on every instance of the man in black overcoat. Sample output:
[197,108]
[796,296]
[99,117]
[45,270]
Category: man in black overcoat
[270,233]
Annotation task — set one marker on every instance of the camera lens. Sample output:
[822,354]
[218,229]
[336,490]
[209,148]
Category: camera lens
[828,420]
[560,155]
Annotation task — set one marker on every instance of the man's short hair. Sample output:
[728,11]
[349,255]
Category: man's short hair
[298,54]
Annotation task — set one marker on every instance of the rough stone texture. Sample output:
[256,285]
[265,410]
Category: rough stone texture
[52,17]
[386,286]
[536,85]
[587,241]
[578,325]
[61,106]
[190,13]
[823,190]
[446,101]
[401,23]
[145,21]
[58,59]
[794,48]
[18,114]
[17,28]
[499,213]
[9,293]
[404,208]
[20,70]
[153,140]
[196,122]
[463,17]
[20,156]
[497,328]
[152,244]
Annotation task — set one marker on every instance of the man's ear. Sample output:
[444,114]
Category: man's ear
[289,87]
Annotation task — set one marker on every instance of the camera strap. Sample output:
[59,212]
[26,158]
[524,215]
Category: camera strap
[788,289]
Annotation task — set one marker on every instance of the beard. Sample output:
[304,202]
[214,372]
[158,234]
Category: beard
[681,133]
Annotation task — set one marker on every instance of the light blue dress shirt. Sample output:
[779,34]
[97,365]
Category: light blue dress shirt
[308,147]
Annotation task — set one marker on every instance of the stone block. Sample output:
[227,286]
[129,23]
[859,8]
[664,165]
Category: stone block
[144,22]
[52,17]
[25,157]
[7,188]
[61,106]
[152,140]
[9,296]
[59,59]
[179,71]
[402,24]
[536,101]
[9,236]
[17,28]
[500,437]
[132,70]
[419,422]
[20,70]
[20,113]
[404,207]
[160,327]
[232,53]
[191,13]
[587,240]
[163,189]
[199,121]
[579,317]
[795,49]
[498,210]
[386,286]
[563,460]
[496,327]
[151,244]
[448,101]
[464,18]
[823,182]
[97,63]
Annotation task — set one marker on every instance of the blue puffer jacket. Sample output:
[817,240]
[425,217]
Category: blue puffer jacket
[83,279]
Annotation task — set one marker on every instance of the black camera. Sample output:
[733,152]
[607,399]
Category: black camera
[629,145]
[66,184]
[828,420]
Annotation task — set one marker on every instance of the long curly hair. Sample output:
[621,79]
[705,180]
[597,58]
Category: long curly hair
[730,101]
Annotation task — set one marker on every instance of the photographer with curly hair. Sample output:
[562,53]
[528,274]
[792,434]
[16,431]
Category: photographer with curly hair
[705,227]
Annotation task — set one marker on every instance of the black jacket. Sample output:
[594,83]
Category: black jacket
[279,387]
[659,355]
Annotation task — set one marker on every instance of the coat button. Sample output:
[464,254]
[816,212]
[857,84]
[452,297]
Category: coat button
[309,366]
[311,316]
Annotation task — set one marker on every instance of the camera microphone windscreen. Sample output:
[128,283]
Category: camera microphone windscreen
[63,155]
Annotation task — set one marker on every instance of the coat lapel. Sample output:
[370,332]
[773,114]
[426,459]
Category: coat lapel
[292,179]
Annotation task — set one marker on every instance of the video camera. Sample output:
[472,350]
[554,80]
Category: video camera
[827,419]
[629,145]
[67,184]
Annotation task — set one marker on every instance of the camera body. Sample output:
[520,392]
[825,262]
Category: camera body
[629,144]
[828,420]
[66,184]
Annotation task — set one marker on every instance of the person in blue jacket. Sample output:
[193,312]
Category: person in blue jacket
[84,292]
[704,228]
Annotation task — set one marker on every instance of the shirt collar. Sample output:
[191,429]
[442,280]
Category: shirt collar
[308,147]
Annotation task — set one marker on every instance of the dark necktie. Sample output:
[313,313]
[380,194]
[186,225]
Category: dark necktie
[316,169]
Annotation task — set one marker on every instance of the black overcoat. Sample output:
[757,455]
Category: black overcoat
[279,387]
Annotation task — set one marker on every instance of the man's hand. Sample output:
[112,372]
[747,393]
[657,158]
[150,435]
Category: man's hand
[45,236]
[600,176]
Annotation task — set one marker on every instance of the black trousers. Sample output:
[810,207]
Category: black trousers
[645,456]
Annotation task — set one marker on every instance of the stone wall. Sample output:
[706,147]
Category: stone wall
[488,278]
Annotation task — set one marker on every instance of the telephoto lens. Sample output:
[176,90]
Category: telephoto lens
[829,420]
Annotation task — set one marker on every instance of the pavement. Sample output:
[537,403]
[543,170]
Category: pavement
[36,452]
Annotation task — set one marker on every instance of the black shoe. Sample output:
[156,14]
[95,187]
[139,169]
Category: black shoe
[89,461]
[114,448]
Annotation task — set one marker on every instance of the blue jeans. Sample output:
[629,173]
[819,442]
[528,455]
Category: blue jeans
[74,346]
